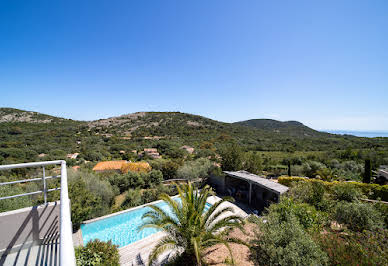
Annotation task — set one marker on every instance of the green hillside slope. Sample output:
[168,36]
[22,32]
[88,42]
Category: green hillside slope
[24,135]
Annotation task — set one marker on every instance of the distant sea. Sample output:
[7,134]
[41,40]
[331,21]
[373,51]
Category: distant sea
[368,134]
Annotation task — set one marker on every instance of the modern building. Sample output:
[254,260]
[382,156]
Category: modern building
[258,192]
[382,175]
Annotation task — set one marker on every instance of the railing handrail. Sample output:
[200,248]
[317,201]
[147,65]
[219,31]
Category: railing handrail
[66,249]
[25,165]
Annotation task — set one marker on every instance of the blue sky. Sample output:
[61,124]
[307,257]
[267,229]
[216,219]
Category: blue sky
[324,63]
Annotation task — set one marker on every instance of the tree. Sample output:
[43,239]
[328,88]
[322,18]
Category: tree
[231,158]
[253,163]
[189,228]
[195,169]
[367,171]
[289,168]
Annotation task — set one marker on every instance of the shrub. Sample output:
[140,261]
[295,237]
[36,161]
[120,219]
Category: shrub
[84,204]
[169,168]
[361,248]
[372,191]
[310,168]
[126,181]
[95,184]
[143,167]
[306,214]
[311,193]
[345,192]
[286,243]
[90,196]
[136,197]
[195,169]
[154,178]
[15,203]
[253,163]
[358,216]
[97,252]
[133,198]
[383,209]
[231,158]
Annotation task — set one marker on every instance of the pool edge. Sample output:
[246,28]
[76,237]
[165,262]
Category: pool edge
[121,212]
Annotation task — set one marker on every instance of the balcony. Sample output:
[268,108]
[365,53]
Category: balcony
[38,235]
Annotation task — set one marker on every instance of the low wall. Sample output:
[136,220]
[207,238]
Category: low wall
[32,224]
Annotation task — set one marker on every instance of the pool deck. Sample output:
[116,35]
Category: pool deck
[137,253]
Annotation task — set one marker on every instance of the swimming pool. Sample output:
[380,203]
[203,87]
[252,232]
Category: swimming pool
[122,228]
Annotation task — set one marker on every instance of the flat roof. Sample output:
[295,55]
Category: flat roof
[263,182]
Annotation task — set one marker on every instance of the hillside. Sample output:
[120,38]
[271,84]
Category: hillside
[15,115]
[26,136]
[293,128]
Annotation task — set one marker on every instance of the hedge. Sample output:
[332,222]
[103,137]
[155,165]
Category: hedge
[373,191]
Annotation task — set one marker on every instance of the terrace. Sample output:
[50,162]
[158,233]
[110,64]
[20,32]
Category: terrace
[42,235]
[38,235]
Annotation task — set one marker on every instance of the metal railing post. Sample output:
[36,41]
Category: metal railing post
[44,186]
[66,249]
[66,252]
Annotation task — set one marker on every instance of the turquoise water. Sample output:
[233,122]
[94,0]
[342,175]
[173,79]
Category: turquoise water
[122,229]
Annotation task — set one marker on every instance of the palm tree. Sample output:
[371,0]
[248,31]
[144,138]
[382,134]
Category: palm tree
[189,228]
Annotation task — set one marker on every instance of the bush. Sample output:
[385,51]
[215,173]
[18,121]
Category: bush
[306,214]
[195,169]
[143,167]
[84,204]
[133,198]
[358,216]
[97,252]
[253,163]
[364,248]
[153,179]
[15,203]
[372,191]
[136,197]
[311,193]
[345,192]
[231,158]
[286,243]
[90,196]
[94,184]
[383,209]
[136,180]
[169,168]
[310,168]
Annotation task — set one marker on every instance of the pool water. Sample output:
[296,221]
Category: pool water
[122,228]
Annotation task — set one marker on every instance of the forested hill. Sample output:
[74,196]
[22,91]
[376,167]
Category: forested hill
[24,135]
[292,128]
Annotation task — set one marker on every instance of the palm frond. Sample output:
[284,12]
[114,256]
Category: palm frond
[217,214]
[163,245]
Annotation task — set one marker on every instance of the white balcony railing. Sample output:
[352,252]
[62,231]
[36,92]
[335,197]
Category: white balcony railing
[66,249]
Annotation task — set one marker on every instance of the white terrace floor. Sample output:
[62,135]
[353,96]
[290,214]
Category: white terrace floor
[137,253]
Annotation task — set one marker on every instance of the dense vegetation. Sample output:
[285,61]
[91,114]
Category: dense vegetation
[24,139]
[318,213]
[316,224]
[97,252]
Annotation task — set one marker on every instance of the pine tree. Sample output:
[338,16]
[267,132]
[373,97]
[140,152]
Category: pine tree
[367,172]
[289,168]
